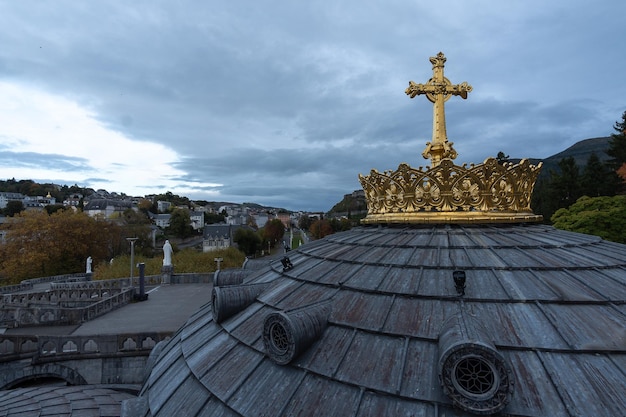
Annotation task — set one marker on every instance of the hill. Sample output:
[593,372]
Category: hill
[580,151]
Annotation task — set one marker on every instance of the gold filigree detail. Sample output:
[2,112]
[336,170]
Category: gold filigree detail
[487,192]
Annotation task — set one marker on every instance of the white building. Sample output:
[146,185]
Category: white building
[6,197]
[197,219]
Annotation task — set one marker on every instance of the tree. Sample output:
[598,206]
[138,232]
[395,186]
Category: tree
[617,144]
[566,184]
[53,208]
[304,222]
[597,179]
[247,240]
[502,158]
[137,224]
[211,218]
[180,223]
[273,231]
[146,206]
[13,207]
[320,228]
[38,244]
[599,216]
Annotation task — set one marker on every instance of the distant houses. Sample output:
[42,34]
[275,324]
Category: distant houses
[219,236]
[104,207]
[160,220]
[6,197]
[28,202]
[102,204]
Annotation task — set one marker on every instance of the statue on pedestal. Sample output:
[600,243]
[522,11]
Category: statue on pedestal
[167,254]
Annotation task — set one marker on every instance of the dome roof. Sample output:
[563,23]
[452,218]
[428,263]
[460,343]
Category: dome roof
[372,322]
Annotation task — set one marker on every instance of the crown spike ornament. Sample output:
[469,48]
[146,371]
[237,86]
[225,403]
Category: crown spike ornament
[490,192]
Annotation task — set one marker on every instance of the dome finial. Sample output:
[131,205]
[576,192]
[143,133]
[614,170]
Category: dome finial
[438,90]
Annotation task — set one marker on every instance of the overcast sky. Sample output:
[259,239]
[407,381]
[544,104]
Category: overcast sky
[284,103]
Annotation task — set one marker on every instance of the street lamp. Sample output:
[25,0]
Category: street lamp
[132,241]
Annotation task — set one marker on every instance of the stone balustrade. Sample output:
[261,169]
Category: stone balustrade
[40,313]
[19,346]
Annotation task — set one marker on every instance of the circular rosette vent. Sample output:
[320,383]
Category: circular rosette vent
[287,334]
[279,338]
[476,379]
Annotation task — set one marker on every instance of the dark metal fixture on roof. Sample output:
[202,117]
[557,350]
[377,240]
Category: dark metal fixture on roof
[287,265]
[459,281]
[221,279]
[227,301]
[287,334]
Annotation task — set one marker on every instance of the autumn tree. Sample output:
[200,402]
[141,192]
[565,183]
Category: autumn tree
[320,228]
[273,232]
[38,244]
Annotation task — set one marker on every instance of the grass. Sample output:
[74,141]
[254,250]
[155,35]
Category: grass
[184,261]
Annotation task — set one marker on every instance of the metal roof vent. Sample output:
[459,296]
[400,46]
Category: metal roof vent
[223,278]
[459,282]
[287,265]
[287,334]
[472,373]
[227,301]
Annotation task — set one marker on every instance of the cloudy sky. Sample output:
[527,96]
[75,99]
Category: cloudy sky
[284,103]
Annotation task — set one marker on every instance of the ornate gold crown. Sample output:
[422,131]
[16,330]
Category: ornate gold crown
[484,193]
[490,192]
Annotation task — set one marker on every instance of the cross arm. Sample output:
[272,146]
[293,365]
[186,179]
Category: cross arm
[415,89]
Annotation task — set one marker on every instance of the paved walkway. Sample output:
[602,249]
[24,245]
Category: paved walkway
[167,308]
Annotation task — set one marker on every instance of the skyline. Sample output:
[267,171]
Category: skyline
[283,104]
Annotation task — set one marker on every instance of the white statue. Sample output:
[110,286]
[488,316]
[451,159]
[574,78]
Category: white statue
[167,254]
[89,265]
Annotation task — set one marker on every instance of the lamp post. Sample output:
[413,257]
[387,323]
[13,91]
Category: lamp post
[218,260]
[132,241]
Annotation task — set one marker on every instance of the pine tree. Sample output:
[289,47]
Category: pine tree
[598,179]
[617,145]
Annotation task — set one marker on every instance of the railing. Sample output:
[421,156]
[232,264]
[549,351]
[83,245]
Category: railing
[67,303]
[14,347]
[41,313]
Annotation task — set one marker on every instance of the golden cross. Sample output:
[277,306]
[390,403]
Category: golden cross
[438,90]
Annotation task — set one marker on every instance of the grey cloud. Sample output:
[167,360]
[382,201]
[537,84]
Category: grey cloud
[231,86]
[50,161]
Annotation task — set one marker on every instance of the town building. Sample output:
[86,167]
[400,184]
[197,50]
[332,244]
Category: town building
[106,207]
[197,219]
[160,220]
[163,206]
[219,236]
[5,197]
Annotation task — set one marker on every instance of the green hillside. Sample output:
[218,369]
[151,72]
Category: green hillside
[580,151]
